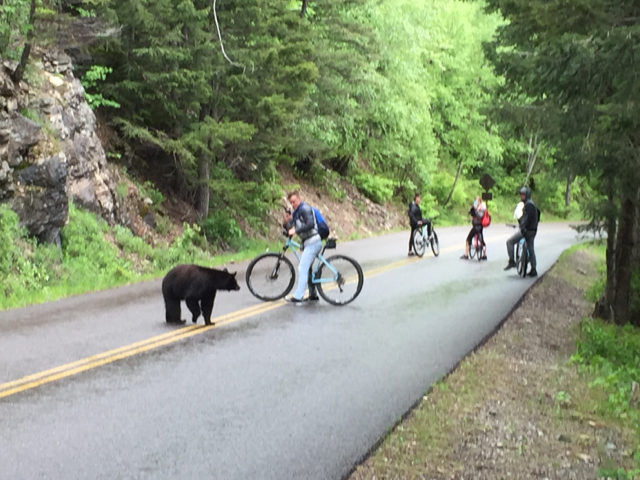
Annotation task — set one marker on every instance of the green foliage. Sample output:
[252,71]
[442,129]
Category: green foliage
[20,269]
[619,473]
[90,81]
[87,254]
[377,188]
[147,189]
[612,355]
[87,260]
[14,24]
[222,229]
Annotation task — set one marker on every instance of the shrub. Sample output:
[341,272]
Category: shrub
[376,188]
[222,229]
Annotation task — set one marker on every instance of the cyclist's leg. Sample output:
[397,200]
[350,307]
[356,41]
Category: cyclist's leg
[411,246]
[309,254]
[510,244]
[427,221]
[467,244]
[530,237]
[312,286]
[483,243]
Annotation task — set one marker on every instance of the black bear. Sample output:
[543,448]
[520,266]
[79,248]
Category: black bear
[197,286]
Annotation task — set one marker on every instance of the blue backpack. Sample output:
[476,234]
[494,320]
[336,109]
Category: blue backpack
[321,224]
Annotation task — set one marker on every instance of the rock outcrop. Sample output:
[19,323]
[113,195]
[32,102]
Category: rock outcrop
[49,150]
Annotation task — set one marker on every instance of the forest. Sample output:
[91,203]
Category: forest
[213,100]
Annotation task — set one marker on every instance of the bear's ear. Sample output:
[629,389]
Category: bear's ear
[234,273]
[225,270]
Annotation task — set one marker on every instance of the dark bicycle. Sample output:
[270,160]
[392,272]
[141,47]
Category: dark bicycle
[476,248]
[339,279]
[521,254]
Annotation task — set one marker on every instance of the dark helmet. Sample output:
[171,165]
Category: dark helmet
[527,193]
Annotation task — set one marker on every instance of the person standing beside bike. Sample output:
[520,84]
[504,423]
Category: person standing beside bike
[477,211]
[416,221]
[528,224]
[303,223]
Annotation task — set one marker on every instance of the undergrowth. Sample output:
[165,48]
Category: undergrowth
[610,354]
[88,261]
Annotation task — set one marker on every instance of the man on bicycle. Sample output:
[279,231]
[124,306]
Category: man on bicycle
[416,221]
[528,224]
[477,211]
[303,223]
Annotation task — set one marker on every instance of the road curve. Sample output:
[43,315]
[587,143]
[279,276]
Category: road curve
[275,392]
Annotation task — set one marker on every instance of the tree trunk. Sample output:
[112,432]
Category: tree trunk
[18,73]
[303,10]
[532,156]
[567,192]
[635,295]
[204,171]
[453,187]
[603,307]
[623,259]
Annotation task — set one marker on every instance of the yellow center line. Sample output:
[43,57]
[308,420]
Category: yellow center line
[152,340]
[63,371]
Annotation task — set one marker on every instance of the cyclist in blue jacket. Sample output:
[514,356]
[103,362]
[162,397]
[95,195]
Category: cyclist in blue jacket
[303,223]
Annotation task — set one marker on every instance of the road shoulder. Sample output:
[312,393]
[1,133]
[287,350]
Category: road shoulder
[517,408]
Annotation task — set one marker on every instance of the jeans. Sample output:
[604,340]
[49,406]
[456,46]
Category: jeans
[529,237]
[309,255]
[511,243]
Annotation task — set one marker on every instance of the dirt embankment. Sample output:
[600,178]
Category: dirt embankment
[514,409]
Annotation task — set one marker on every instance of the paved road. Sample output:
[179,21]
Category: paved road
[276,392]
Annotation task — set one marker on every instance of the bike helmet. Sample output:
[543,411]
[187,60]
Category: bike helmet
[527,193]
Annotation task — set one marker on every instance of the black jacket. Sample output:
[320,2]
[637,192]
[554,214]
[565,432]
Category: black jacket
[529,220]
[415,214]
[305,223]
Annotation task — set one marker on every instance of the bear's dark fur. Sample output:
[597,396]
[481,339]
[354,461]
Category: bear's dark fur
[197,286]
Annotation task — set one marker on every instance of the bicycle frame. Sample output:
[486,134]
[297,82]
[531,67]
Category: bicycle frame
[295,247]
[425,237]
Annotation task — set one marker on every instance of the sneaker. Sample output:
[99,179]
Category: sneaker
[484,257]
[510,266]
[294,300]
[313,298]
[411,254]
[532,273]
[464,257]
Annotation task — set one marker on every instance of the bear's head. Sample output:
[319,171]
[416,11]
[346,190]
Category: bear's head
[231,283]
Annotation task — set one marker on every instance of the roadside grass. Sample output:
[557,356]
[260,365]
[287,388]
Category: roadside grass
[553,394]
[94,257]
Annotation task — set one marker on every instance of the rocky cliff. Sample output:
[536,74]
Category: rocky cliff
[49,150]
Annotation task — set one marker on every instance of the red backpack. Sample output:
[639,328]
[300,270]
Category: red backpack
[486,219]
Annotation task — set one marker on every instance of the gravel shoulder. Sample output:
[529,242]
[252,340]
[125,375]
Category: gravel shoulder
[516,408]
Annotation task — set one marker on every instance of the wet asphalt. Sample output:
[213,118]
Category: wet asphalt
[292,393]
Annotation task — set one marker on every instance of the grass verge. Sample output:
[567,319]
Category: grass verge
[552,395]
[94,257]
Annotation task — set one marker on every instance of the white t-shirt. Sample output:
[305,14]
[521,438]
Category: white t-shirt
[517,213]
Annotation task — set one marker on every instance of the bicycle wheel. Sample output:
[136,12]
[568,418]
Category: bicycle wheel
[523,260]
[435,245]
[473,247]
[270,276]
[419,243]
[343,285]
[479,247]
